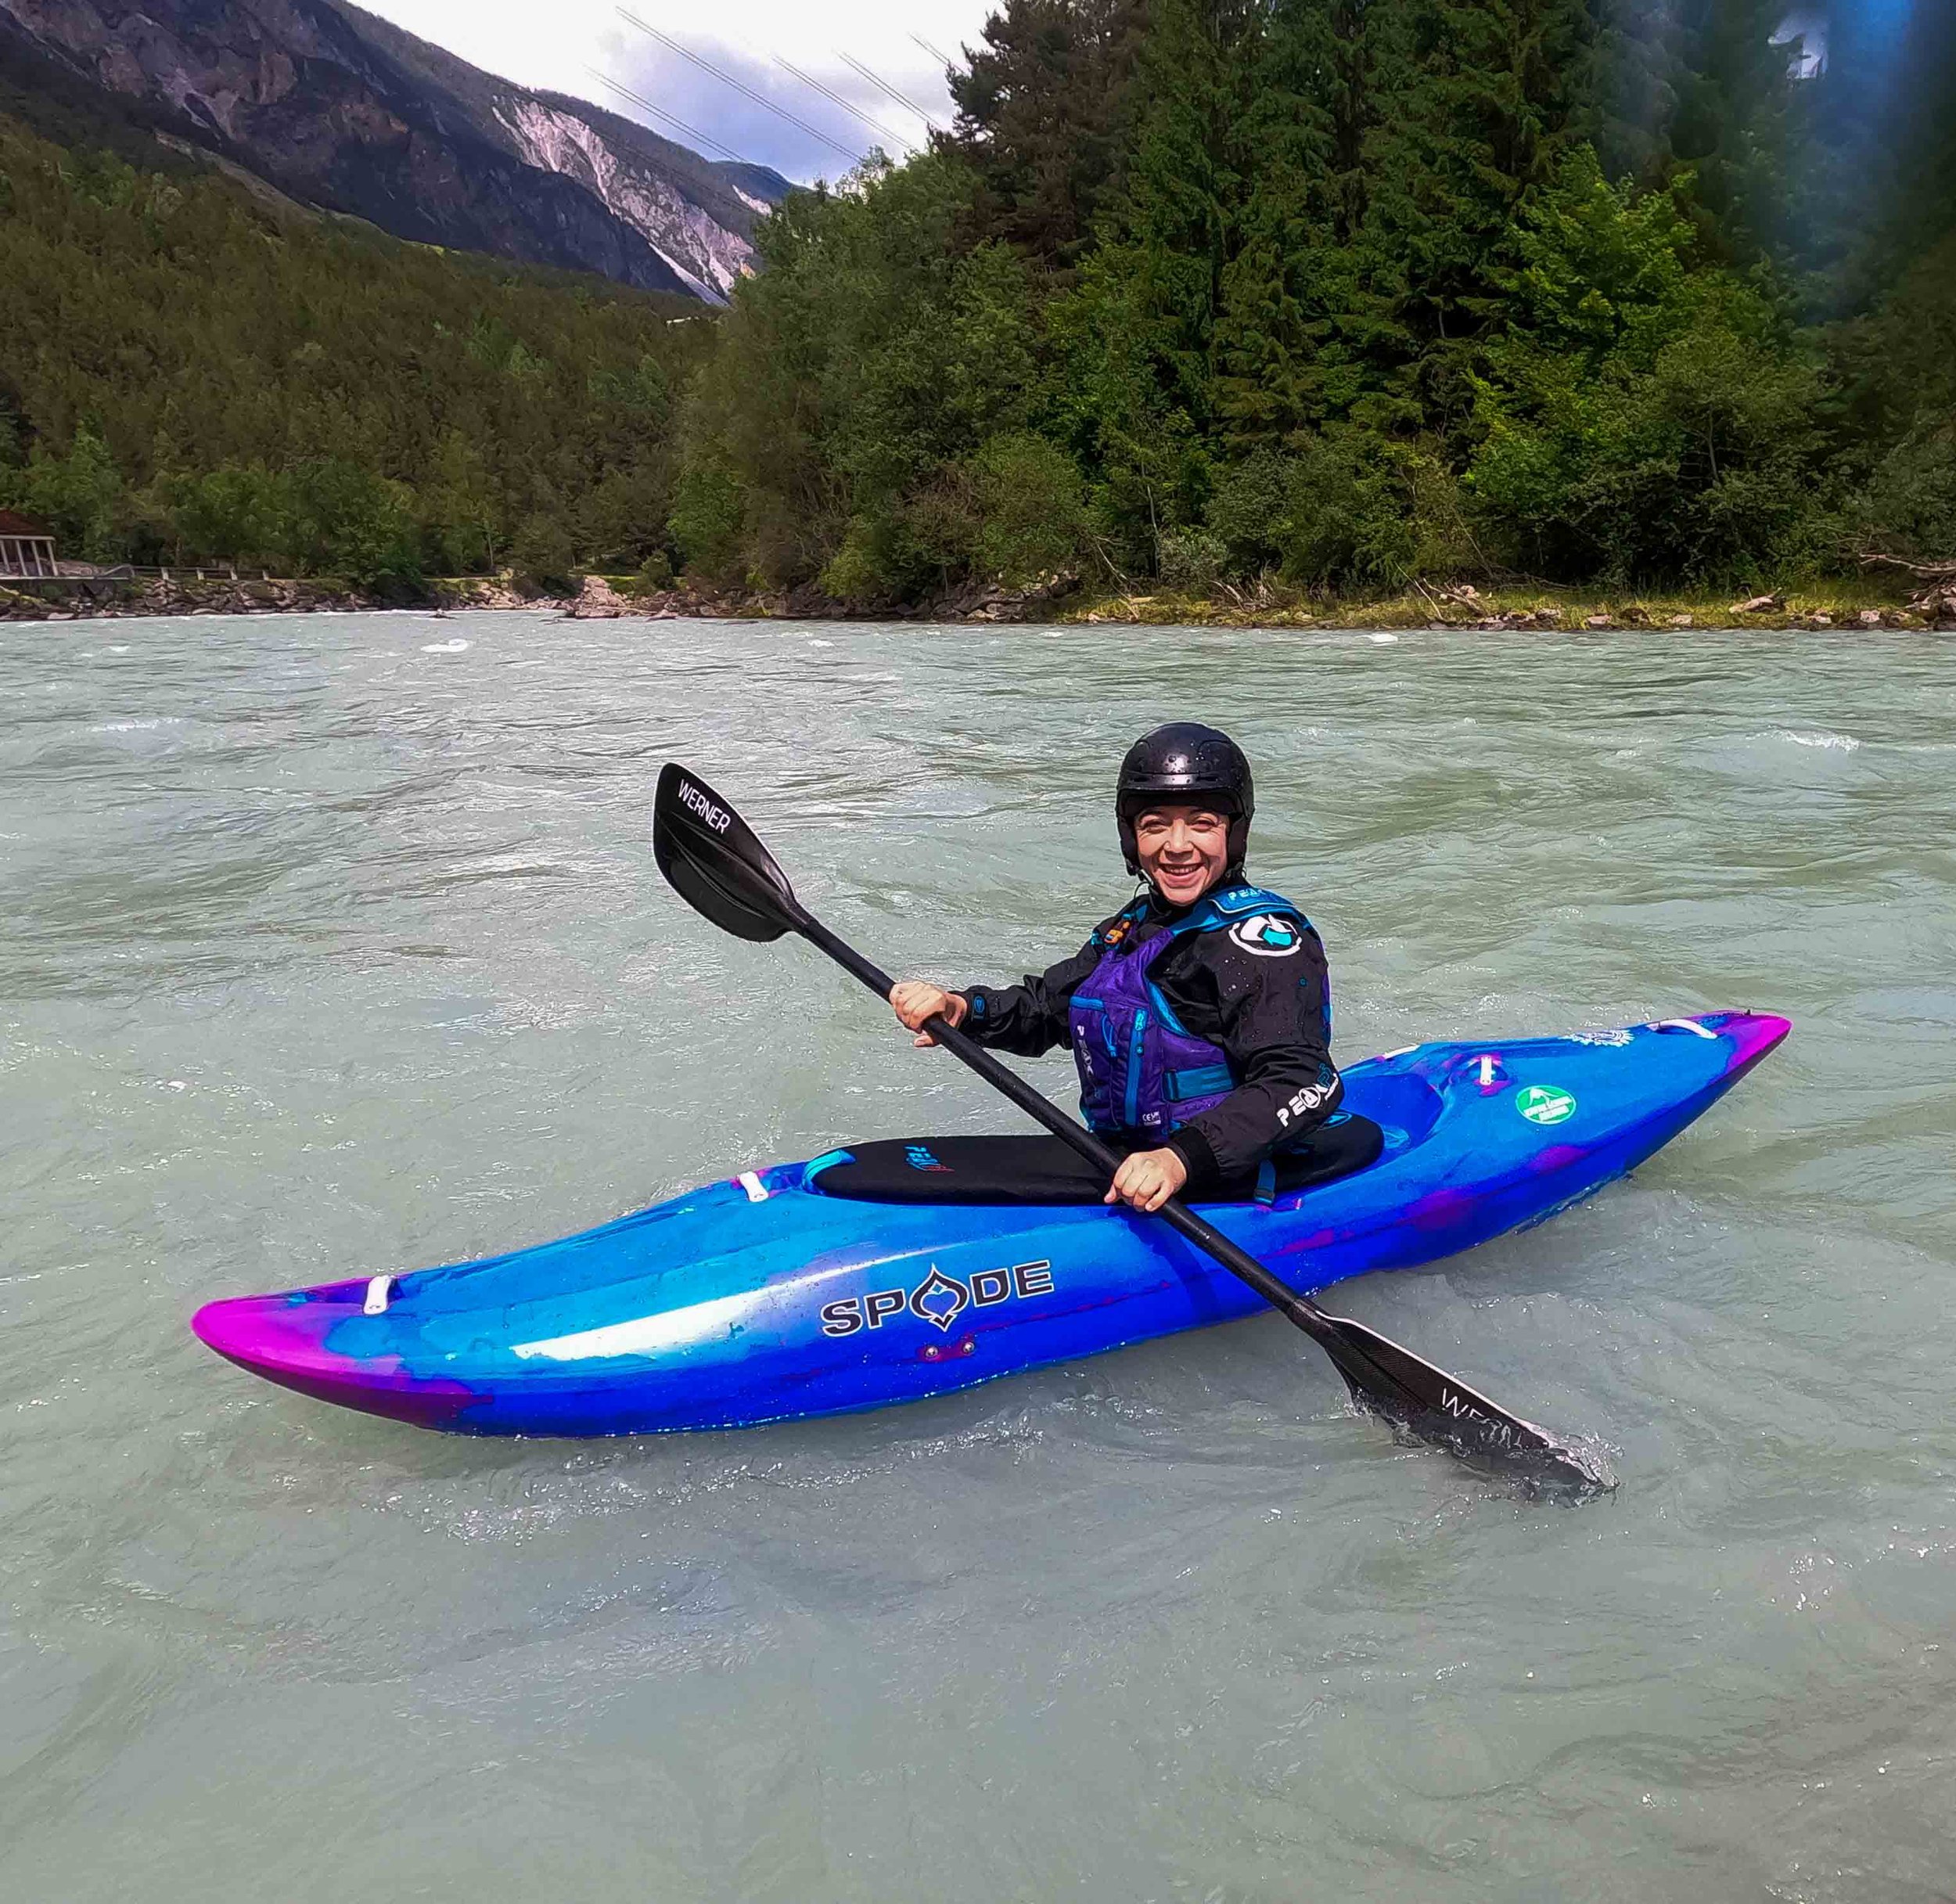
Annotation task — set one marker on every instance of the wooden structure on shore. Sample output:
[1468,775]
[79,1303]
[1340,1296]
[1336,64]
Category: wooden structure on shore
[25,548]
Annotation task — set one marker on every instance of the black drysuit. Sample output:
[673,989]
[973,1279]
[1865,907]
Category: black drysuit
[1270,1015]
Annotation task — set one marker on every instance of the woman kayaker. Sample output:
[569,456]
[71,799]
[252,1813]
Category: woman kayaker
[1199,1014]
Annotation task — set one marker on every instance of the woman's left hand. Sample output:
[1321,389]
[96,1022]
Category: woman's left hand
[1148,1178]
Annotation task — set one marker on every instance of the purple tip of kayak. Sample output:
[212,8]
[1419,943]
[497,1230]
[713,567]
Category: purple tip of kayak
[283,1339]
[1754,1033]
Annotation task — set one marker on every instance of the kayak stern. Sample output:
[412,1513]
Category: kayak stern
[282,1338]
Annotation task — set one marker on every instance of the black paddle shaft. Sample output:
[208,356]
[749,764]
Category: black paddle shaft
[1305,1313]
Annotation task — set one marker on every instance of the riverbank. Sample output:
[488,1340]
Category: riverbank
[1845,605]
[99,598]
[1872,602]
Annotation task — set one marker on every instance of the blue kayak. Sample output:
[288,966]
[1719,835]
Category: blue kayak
[761,1298]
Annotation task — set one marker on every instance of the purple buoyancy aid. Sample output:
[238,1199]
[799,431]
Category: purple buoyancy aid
[1141,1072]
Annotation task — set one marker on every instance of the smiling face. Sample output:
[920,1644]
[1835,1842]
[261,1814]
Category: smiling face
[1183,850]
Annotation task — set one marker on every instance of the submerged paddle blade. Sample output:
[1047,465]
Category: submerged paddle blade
[1435,1407]
[710,857]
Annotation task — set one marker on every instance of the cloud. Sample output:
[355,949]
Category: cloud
[555,47]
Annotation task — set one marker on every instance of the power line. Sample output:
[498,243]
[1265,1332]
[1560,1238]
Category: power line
[908,104]
[836,99]
[747,92]
[671,119]
[943,59]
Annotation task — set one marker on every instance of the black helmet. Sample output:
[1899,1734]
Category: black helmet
[1186,761]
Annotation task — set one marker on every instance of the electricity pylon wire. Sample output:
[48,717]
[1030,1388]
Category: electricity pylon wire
[908,104]
[836,99]
[746,91]
[671,119]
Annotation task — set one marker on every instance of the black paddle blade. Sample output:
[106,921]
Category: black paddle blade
[1435,1407]
[710,857]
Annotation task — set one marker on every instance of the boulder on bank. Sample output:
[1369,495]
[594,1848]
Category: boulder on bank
[19,605]
[991,601]
[597,601]
[1936,605]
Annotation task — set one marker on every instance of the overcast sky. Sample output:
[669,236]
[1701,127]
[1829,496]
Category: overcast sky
[555,43]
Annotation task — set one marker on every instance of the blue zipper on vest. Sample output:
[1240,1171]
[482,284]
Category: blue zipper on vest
[1133,1107]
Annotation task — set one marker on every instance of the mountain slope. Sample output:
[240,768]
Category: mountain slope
[336,107]
[195,367]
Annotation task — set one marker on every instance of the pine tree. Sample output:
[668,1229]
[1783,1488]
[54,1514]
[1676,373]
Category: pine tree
[1477,101]
[1044,112]
[1713,86]
[1630,86]
[1271,326]
[1140,331]
[462,510]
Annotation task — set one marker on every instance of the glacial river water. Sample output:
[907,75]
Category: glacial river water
[331,945]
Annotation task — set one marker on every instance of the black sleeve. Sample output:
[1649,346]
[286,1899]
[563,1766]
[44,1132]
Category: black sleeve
[1030,1016]
[1272,1015]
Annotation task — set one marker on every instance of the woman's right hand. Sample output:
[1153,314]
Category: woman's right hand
[917,1000]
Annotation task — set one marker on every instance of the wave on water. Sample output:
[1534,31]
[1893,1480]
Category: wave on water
[444,647]
[1844,743]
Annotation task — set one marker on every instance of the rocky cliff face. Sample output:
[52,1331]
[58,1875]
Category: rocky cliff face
[337,108]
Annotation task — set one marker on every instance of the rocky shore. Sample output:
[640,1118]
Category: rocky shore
[1846,607]
[187,594]
[600,598]
[1920,603]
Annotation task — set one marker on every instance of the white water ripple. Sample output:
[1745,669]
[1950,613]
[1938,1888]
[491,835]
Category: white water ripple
[1838,744]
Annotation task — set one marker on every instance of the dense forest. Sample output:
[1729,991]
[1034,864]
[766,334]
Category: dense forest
[1351,292]
[1343,292]
[193,369]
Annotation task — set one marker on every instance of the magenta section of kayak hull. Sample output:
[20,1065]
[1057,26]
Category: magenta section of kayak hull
[759,1299]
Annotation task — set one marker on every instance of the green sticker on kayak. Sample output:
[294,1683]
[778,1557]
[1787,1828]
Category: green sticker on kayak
[1546,1103]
